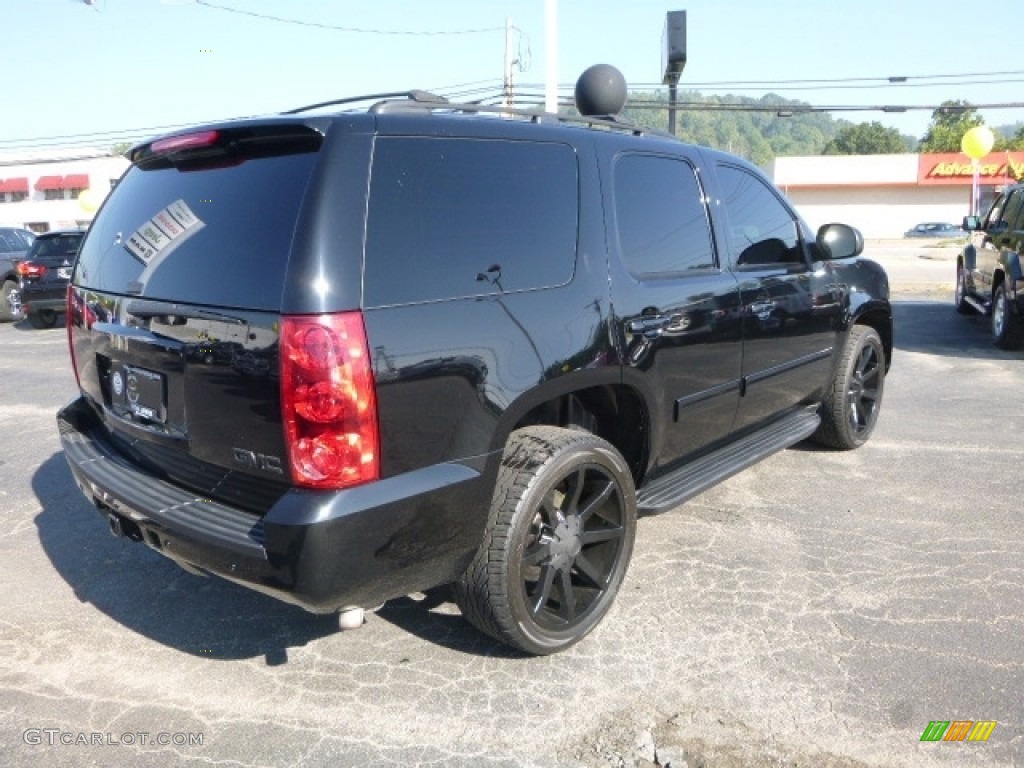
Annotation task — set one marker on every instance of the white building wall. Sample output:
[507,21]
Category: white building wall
[883,211]
[844,170]
[57,214]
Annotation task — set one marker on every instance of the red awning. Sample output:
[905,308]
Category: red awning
[76,181]
[49,182]
[14,185]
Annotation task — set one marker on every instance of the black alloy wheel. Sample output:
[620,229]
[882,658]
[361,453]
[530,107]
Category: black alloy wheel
[560,539]
[851,405]
[960,293]
[1006,327]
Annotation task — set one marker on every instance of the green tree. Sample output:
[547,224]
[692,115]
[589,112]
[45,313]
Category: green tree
[1007,139]
[120,148]
[866,139]
[949,124]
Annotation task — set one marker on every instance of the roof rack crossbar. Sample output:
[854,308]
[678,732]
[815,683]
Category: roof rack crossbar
[414,95]
[430,102]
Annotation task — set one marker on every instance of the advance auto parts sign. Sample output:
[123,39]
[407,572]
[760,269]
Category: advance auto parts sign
[956,168]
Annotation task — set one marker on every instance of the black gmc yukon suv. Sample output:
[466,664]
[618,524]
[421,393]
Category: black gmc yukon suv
[339,358]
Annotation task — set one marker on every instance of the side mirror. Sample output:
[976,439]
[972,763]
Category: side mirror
[971,223]
[839,241]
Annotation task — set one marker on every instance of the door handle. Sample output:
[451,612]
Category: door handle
[648,326]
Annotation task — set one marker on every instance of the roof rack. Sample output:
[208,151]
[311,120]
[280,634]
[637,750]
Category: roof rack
[600,88]
[425,97]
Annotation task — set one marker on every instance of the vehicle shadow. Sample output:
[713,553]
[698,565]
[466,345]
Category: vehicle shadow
[152,596]
[934,327]
[418,616]
[23,324]
[207,617]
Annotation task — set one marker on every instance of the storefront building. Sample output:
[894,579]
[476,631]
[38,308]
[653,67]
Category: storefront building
[885,195]
[46,193]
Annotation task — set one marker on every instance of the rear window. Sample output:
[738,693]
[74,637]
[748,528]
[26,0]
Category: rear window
[204,234]
[58,246]
[454,218]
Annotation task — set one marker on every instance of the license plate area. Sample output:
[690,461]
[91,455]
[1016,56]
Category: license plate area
[141,392]
[64,272]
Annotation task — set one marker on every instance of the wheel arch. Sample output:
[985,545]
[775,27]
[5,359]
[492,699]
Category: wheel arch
[613,411]
[998,278]
[881,320]
[968,257]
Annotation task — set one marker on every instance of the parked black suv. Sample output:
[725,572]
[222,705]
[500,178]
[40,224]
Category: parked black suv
[341,358]
[44,274]
[989,277]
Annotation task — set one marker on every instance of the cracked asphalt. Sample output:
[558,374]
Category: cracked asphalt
[818,609]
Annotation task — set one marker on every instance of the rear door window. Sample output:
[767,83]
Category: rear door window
[453,218]
[218,233]
[660,216]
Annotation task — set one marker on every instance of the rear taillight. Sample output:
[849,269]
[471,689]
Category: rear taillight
[30,269]
[69,322]
[328,401]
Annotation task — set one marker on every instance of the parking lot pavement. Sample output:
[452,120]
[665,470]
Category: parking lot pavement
[819,609]
[917,266]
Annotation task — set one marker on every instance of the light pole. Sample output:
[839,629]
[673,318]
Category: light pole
[673,51]
[976,143]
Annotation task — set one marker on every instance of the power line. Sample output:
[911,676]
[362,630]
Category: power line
[891,80]
[802,108]
[336,28]
[103,135]
[484,90]
[861,86]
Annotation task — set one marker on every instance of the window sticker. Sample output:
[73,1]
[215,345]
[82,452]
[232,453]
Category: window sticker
[182,214]
[152,234]
[157,238]
[140,248]
[167,224]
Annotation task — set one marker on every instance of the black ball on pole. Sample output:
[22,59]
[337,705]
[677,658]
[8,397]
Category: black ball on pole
[601,90]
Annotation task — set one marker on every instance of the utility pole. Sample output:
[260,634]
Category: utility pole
[551,55]
[509,64]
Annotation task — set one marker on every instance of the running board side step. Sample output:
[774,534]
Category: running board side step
[697,476]
[979,305]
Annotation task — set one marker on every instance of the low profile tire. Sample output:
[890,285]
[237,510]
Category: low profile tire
[1006,330]
[44,318]
[9,291]
[558,543]
[960,293]
[850,408]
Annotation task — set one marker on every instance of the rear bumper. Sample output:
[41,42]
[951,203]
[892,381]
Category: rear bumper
[322,550]
[36,297]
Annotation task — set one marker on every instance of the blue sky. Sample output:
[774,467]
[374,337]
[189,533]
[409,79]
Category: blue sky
[140,64]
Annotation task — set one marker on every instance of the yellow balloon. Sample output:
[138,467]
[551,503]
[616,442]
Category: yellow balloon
[978,142]
[89,200]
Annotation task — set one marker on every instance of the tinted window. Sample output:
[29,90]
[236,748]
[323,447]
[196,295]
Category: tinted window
[451,218]
[7,243]
[61,246]
[1012,211]
[762,231]
[660,216]
[995,212]
[223,233]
